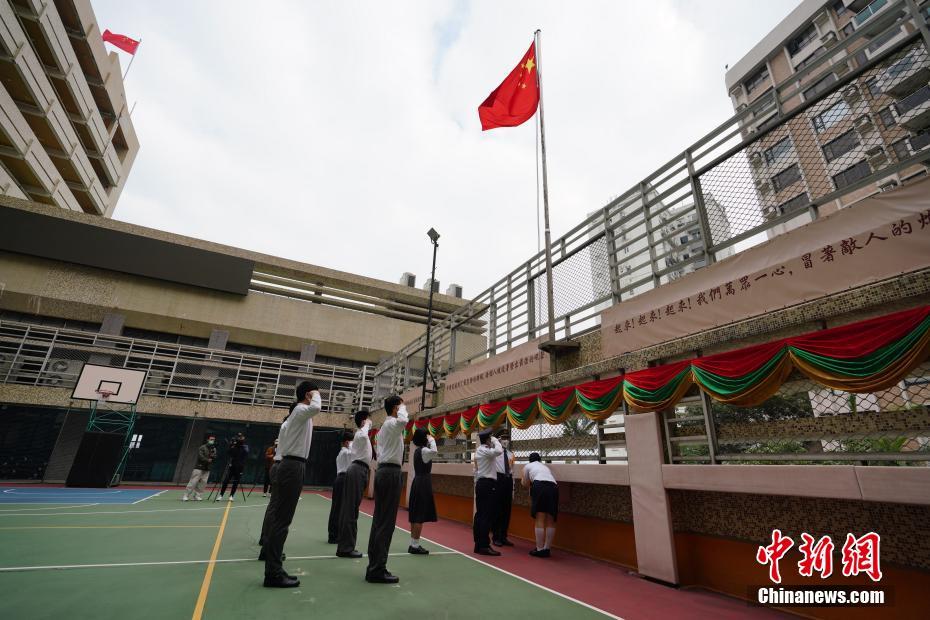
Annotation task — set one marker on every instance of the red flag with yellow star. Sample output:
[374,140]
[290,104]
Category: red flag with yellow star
[514,101]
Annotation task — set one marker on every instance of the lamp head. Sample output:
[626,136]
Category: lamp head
[433,235]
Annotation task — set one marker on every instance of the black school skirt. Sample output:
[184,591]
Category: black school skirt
[545,498]
[422,507]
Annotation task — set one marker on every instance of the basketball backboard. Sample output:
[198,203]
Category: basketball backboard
[123,384]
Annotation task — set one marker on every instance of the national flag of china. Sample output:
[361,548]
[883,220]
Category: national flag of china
[514,101]
[121,41]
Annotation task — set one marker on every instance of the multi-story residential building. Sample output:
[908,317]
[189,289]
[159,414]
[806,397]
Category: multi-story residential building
[879,118]
[67,137]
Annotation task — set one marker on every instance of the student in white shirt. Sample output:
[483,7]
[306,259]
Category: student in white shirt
[422,507]
[485,491]
[388,487]
[354,486]
[293,447]
[504,492]
[335,505]
[544,505]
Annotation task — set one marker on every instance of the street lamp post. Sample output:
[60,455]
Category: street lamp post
[434,237]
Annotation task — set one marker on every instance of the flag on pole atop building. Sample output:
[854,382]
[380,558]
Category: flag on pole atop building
[514,101]
[121,41]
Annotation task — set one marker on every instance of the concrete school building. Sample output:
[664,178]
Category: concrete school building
[223,333]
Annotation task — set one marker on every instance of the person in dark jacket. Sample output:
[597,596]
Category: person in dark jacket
[238,452]
[206,454]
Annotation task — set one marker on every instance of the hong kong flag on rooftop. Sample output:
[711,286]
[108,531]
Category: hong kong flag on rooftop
[121,41]
[514,101]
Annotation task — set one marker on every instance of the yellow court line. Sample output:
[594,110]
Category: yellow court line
[94,527]
[208,576]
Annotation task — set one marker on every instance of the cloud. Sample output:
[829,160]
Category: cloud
[338,133]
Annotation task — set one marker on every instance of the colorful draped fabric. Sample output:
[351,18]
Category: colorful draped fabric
[862,357]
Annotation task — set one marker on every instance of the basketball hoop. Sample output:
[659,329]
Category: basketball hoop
[102,396]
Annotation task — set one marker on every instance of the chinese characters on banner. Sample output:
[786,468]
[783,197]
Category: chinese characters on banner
[519,364]
[873,240]
[859,555]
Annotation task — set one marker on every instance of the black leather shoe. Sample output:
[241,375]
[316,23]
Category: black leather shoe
[281,581]
[487,551]
[497,543]
[348,554]
[384,578]
[540,553]
[417,551]
[505,543]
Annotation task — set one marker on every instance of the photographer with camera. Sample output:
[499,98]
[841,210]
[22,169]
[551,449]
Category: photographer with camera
[236,455]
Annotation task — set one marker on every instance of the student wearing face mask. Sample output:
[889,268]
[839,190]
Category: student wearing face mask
[503,491]
[206,454]
[388,487]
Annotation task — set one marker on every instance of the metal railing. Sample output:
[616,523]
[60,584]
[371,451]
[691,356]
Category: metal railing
[53,357]
[806,423]
[728,191]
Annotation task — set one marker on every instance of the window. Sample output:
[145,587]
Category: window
[781,148]
[757,79]
[848,29]
[839,8]
[920,141]
[887,118]
[860,58]
[882,40]
[900,149]
[919,96]
[135,442]
[794,204]
[822,85]
[684,239]
[872,86]
[840,146]
[786,177]
[801,41]
[852,174]
[817,54]
[831,116]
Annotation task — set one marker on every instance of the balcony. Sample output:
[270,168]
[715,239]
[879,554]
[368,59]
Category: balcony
[914,110]
[866,14]
[906,74]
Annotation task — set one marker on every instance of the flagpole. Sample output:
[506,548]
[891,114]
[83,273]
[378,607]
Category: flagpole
[550,302]
[131,60]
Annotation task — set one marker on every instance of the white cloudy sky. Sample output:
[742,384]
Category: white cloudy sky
[337,133]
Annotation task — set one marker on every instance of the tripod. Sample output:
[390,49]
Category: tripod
[219,481]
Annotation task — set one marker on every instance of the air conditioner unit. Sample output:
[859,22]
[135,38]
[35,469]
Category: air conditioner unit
[341,401]
[219,389]
[8,369]
[61,372]
[769,210]
[764,186]
[828,39]
[864,124]
[877,157]
[852,94]
[264,394]
[755,158]
[888,186]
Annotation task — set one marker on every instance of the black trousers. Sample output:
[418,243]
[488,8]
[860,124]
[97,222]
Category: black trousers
[267,483]
[504,493]
[288,479]
[336,505]
[485,504]
[271,507]
[352,490]
[388,487]
[233,474]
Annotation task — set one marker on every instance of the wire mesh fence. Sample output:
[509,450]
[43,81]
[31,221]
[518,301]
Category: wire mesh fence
[806,423]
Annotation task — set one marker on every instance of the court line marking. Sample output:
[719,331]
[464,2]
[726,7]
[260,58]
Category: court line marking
[120,512]
[49,508]
[208,576]
[148,497]
[46,492]
[13,569]
[94,527]
[497,568]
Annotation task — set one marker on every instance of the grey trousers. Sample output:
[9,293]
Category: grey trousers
[388,487]
[352,489]
[288,480]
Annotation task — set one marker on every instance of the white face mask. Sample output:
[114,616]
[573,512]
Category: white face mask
[402,409]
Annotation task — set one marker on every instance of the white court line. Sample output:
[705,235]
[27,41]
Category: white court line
[120,512]
[148,497]
[59,492]
[506,572]
[49,508]
[13,569]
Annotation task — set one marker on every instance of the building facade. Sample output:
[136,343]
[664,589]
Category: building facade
[880,116]
[67,135]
